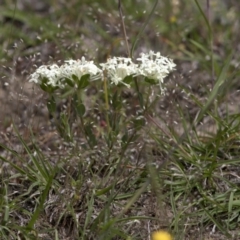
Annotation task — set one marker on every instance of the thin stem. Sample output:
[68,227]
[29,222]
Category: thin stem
[208,21]
[210,40]
[128,49]
[106,102]
[140,33]
[208,10]
[123,27]
[138,93]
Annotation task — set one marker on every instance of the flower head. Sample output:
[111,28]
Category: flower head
[54,76]
[80,68]
[154,66]
[161,235]
[118,68]
[50,72]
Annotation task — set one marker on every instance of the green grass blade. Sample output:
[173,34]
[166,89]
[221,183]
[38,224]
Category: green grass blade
[215,91]
[143,28]
[43,197]
[220,227]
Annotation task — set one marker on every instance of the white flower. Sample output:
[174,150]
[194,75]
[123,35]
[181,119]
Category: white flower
[51,72]
[80,68]
[118,68]
[154,66]
[56,75]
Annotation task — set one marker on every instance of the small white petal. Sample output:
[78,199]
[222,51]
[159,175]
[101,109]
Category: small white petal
[118,68]
[154,66]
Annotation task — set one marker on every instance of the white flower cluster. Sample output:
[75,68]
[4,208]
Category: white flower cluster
[118,68]
[56,75]
[50,72]
[152,65]
[80,68]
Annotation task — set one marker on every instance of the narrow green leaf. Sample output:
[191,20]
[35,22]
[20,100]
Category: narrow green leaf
[69,82]
[143,28]
[78,105]
[116,101]
[90,209]
[125,138]
[64,127]
[10,162]
[199,46]
[230,202]
[215,90]
[51,105]
[128,79]
[89,133]
[139,122]
[151,81]
[46,87]
[75,79]
[38,210]
[214,220]
[84,81]
[103,191]
[80,109]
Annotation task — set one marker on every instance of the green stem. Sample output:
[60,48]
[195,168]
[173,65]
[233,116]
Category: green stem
[138,93]
[140,33]
[106,102]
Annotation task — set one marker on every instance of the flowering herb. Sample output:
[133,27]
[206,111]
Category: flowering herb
[79,68]
[152,66]
[51,77]
[155,67]
[72,77]
[50,72]
[118,68]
